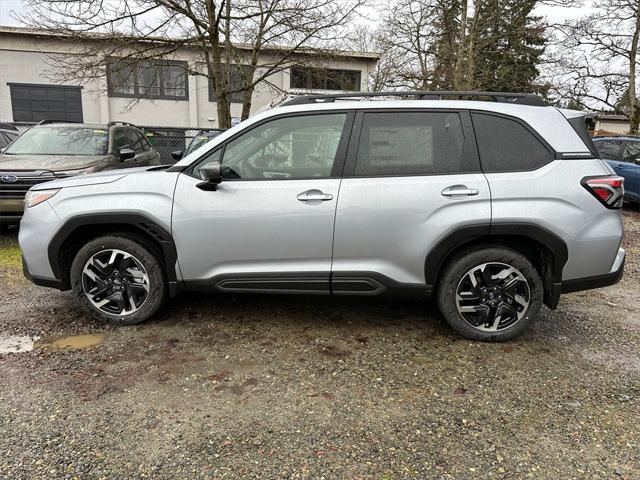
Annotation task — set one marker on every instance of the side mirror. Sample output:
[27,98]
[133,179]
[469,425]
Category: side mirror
[211,176]
[126,154]
[2,150]
[177,155]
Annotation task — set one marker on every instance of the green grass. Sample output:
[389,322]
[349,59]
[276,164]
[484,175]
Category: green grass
[10,257]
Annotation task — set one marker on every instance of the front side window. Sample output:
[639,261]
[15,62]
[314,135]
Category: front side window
[120,140]
[149,79]
[506,145]
[285,148]
[410,143]
[60,141]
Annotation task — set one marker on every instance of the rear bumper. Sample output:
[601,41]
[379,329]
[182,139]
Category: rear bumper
[598,281]
[589,283]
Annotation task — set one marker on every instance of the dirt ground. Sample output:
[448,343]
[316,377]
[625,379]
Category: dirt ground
[298,387]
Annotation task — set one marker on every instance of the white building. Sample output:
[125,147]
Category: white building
[30,91]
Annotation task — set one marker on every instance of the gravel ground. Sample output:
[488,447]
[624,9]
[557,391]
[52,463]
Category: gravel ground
[295,387]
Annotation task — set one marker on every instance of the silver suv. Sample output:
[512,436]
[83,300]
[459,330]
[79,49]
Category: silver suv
[492,208]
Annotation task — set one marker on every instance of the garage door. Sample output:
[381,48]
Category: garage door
[32,103]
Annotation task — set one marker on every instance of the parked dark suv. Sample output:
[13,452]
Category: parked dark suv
[53,150]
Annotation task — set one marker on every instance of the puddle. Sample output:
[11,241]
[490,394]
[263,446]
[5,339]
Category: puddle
[18,344]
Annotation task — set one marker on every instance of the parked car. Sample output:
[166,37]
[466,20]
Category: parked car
[492,208]
[623,154]
[196,142]
[6,137]
[53,150]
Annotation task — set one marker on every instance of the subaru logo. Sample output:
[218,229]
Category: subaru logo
[9,179]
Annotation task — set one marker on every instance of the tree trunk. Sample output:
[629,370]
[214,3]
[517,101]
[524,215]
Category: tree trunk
[634,114]
[462,40]
[224,112]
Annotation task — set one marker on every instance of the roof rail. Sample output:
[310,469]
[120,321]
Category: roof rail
[502,97]
[117,122]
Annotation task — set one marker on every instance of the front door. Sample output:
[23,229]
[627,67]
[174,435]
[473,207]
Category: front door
[269,225]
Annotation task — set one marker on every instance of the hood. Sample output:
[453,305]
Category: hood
[54,163]
[107,176]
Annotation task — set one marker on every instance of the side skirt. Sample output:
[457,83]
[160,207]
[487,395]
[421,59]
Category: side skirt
[308,283]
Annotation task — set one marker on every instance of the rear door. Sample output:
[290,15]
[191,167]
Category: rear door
[412,177]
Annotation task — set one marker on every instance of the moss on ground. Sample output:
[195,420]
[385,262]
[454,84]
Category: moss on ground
[10,257]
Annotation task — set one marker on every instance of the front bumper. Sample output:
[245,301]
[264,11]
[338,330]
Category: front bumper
[43,281]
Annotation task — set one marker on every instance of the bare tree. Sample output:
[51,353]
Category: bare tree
[245,40]
[464,44]
[597,59]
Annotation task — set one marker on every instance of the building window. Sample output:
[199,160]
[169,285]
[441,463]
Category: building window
[148,79]
[236,82]
[325,79]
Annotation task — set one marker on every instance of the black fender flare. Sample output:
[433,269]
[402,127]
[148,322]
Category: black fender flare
[139,221]
[464,235]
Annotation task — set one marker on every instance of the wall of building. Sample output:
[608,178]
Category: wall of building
[30,59]
[612,126]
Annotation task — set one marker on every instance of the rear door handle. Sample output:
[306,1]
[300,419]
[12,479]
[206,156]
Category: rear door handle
[314,196]
[459,191]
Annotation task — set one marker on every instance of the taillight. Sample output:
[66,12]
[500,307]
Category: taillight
[608,189]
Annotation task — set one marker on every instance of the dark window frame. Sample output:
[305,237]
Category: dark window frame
[338,163]
[308,73]
[234,97]
[553,155]
[136,83]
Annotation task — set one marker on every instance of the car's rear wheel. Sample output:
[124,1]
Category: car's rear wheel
[490,294]
[119,279]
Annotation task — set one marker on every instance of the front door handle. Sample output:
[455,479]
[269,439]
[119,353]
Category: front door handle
[314,196]
[459,191]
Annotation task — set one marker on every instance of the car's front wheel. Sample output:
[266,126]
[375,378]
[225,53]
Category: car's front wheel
[490,294]
[119,279]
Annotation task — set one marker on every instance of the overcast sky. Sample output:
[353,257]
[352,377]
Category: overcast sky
[8,9]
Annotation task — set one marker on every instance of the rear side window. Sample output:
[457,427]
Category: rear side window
[608,149]
[411,143]
[505,145]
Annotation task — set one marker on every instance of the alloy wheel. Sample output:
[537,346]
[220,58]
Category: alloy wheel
[115,282]
[493,296]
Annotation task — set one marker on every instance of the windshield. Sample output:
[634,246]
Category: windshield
[60,141]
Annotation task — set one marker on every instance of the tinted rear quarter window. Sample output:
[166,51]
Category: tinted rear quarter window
[410,143]
[505,145]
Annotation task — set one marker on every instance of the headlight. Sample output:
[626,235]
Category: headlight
[33,198]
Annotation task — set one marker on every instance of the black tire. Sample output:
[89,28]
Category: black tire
[146,256]
[458,271]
